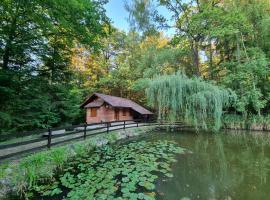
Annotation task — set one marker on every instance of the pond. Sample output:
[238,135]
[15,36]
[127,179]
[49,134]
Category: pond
[222,166]
[170,166]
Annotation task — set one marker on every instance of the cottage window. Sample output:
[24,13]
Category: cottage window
[124,112]
[93,112]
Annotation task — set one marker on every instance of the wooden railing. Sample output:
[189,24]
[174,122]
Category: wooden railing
[47,138]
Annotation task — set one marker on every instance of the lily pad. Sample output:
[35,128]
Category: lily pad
[114,172]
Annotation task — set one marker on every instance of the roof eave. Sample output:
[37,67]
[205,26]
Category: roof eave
[86,101]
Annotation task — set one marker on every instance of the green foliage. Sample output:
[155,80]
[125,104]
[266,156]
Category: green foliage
[142,16]
[160,60]
[195,101]
[53,53]
[250,80]
[125,171]
[251,122]
[37,86]
[30,103]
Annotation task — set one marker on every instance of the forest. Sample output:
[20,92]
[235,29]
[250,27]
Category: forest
[54,53]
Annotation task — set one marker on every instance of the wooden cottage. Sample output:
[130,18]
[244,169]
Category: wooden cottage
[106,108]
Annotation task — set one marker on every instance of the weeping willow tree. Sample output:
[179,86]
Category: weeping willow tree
[193,101]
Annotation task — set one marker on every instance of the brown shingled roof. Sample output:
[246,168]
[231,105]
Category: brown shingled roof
[95,103]
[116,102]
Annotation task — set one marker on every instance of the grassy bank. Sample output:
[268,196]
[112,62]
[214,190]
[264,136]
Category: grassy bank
[22,175]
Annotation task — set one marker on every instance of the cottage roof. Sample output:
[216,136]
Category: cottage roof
[115,102]
[96,103]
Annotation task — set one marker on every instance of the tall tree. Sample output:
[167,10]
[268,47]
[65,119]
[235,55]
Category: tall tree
[142,16]
[205,25]
[36,39]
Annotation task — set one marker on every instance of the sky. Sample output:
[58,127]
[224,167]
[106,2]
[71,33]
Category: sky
[117,13]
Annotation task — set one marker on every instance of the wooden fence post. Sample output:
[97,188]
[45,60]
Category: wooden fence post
[137,123]
[124,124]
[49,138]
[107,127]
[84,131]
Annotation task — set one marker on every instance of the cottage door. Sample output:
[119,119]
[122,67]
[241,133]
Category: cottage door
[116,114]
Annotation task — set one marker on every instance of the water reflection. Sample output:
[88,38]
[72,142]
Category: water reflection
[223,166]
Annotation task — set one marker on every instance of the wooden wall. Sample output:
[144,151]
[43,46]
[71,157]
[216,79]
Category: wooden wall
[107,114]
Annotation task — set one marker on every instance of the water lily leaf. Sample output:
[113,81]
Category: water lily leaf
[115,172]
[169,175]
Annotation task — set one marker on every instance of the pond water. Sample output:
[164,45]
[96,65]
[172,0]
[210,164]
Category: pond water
[222,166]
[171,166]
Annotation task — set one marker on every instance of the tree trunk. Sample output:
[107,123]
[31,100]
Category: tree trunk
[53,60]
[210,60]
[238,48]
[196,61]
[6,56]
